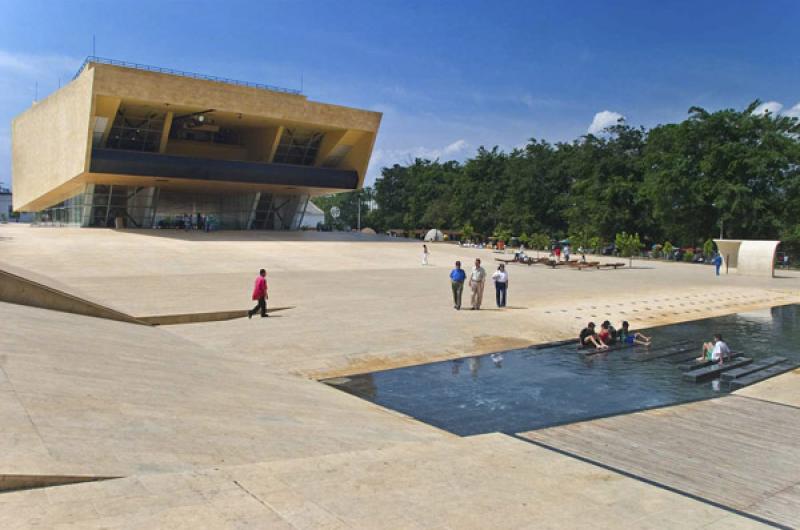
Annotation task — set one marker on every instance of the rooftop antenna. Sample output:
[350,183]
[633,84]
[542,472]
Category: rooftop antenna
[94,48]
[301,81]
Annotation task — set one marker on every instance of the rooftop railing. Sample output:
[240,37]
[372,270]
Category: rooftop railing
[101,60]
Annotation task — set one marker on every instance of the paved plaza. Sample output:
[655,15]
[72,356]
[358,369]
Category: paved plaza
[222,424]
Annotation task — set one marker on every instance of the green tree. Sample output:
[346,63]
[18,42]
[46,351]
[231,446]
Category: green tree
[540,241]
[467,232]
[668,249]
[708,248]
[502,233]
[629,245]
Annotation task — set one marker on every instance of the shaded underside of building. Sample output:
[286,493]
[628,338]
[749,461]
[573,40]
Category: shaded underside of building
[145,147]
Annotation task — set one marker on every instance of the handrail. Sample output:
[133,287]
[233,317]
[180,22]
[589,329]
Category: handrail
[101,60]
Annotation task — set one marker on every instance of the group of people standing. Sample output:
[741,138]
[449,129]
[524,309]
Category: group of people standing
[477,280]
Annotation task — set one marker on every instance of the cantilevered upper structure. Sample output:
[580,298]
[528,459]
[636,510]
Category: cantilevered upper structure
[146,146]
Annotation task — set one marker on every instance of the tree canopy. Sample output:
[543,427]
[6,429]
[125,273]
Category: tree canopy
[675,181]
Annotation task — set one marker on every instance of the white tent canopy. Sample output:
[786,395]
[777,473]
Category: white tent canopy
[434,235]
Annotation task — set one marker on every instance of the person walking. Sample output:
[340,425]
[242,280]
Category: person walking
[260,294]
[476,280]
[717,261]
[457,277]
[566,252]
[424,254]
[500,278]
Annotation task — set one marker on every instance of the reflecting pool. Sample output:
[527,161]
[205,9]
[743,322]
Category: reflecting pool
[525,389]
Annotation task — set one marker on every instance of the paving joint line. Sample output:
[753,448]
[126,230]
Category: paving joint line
[651,482]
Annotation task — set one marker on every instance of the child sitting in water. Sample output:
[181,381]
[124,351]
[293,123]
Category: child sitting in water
[626,336]
[607,333]
[589,337]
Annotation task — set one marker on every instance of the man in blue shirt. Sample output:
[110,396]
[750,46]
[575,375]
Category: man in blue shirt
[457,277]
[717,261]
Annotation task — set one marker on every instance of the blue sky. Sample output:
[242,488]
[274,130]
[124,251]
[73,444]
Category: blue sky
[448,76]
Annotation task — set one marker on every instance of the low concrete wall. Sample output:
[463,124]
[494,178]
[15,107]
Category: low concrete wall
[757,258]
[17,289]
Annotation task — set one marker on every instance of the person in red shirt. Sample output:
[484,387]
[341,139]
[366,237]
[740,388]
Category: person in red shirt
[557,253]
[260,294]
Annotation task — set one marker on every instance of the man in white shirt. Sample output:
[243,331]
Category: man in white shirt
[476,280]
[500,278]
[715,351]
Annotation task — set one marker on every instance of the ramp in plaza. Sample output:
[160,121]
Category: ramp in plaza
[18,286]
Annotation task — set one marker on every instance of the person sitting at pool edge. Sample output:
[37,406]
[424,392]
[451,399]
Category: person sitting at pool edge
[715,351]
[626,336]
[607,333]
[589,337]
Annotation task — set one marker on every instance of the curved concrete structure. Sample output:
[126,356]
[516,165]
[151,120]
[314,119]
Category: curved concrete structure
[750,257]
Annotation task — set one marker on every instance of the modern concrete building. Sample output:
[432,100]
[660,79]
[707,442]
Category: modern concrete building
[147,147]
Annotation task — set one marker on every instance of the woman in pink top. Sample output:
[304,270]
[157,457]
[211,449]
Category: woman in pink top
[260,294]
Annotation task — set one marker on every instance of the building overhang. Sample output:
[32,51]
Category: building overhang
[118,162]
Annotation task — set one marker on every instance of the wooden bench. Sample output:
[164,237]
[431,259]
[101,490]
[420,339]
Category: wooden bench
[610,265]
[709,372]
[506,260]
[588,265]
[754,367]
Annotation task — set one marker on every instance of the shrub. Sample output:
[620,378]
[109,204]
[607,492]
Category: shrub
[688,257]
[708,248]
[668,250]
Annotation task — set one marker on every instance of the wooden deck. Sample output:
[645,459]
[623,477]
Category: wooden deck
[740,452]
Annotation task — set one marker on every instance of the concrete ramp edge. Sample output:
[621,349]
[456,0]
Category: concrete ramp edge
[16,289]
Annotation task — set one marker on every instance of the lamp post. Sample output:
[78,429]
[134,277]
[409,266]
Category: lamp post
[358,197]
[721,221]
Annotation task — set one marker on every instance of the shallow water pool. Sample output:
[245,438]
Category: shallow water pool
[531,388]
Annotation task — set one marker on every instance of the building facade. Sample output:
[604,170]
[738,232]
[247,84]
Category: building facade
[139,146]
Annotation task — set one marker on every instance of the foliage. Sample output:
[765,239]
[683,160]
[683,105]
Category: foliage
[539,241]
[467,232]
[502,233]
[668,250]
[595,243]
[708,248]
[678,181]
[689,256]
[629,245]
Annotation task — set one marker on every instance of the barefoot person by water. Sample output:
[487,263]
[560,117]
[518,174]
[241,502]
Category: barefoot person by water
[626,336]
[589,337]
[715,351]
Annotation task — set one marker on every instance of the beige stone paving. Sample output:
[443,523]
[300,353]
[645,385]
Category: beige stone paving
[489,481]
[784,388]
[167,406]
[363,303]
[92,396]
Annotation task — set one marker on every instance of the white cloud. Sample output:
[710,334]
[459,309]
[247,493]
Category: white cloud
[603,120]
[773,107]
[388,157]
[32,65]
[793,112]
